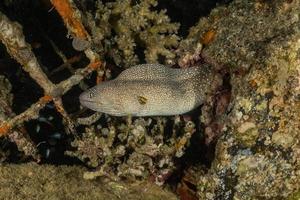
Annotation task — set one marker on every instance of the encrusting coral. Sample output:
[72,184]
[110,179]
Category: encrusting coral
[257,155]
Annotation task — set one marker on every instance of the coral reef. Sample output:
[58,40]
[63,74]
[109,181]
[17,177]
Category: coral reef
[257,155]
[138,149]
[5,97]
[249,129]
[23,143]
[6,101]
[120,29]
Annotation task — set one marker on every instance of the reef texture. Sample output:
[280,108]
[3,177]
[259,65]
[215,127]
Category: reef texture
[5,98]
[138,149]
[258,153]
[6,101]
[123,27]
[35,181]
[23,143]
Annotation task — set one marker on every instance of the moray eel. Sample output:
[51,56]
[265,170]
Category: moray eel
[151,90]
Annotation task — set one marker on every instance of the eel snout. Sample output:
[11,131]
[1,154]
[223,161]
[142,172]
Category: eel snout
[86,99]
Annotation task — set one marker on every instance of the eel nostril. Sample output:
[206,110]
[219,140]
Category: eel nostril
[91,95]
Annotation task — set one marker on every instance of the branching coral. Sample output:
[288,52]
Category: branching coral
[122,28]
[12,37]
[140,149]
[18,136]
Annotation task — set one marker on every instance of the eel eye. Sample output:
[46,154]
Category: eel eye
[142,100]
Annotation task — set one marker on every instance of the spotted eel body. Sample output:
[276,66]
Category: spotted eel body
[151,90]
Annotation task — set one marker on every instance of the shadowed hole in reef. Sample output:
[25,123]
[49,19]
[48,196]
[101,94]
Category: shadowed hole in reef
[48,133]
[188,12]
[196,153]
[199,153]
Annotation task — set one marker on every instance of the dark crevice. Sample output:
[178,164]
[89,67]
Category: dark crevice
[188,12]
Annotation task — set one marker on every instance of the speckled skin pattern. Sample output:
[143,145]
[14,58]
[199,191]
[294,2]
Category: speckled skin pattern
[150,90]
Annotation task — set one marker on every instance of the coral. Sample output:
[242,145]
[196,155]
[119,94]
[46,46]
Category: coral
[257,154]
[121,28]
[117,30]
[136,150]
[11,35]
[22,142]
[5,98]
[6,101]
